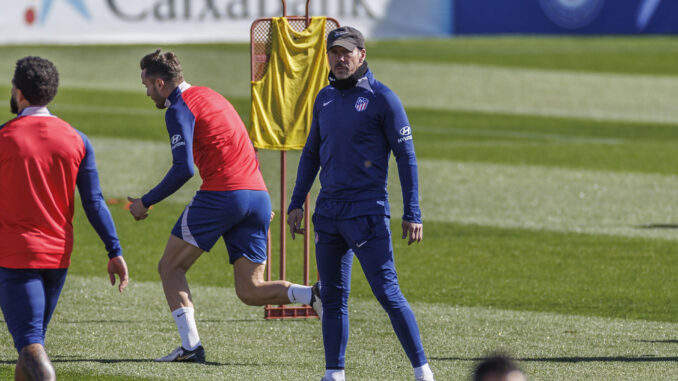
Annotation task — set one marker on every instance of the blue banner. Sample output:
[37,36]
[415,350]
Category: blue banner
[565,16]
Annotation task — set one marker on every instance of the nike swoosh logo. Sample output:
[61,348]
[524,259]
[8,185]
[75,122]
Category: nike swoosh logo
[326,103]
[181,314]
[186,357]
[361,243]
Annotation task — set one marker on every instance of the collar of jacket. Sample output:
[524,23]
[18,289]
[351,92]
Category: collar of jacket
[176,93]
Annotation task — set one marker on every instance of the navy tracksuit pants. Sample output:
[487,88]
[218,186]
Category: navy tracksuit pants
[369,237]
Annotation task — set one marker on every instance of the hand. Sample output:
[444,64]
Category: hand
[415,230]
[272,216]
[137,208]
[294,219]
[118,266]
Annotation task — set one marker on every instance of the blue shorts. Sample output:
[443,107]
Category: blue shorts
[28,298]
[241,217]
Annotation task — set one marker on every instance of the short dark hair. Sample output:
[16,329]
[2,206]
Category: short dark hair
[37,78]
[496,364]
[164,65]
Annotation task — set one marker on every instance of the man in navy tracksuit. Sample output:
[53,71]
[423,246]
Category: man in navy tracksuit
[357,122]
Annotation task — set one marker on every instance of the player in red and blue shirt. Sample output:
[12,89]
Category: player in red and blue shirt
[232,202]
[42,160]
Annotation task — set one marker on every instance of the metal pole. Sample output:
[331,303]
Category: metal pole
[307,225]
[269,241]
[283,215]
[269,254]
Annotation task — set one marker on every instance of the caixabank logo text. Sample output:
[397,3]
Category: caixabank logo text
[139,11]
[39,11]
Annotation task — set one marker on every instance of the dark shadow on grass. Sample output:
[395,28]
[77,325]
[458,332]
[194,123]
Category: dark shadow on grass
[212,363]
[61,359]
[157,321]
[101,361]
[675,341]
[107,321]
[657,226]
[257,320]
[647,358]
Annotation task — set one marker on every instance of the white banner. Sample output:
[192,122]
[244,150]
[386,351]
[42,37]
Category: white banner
[180,21]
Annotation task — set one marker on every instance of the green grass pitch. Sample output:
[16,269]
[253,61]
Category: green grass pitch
[548,187]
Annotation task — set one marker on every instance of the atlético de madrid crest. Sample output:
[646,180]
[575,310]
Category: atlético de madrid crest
[361,104]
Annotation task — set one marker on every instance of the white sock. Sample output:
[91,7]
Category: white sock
[188,331]
[335,375]
[423,373]
[300,294]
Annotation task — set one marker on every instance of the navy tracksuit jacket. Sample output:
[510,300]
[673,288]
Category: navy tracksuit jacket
[352,134]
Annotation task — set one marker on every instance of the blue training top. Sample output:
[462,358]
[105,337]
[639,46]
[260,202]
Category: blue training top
[352,135]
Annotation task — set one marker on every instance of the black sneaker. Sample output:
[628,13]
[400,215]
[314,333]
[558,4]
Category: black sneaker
[184,355]
[316,302]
